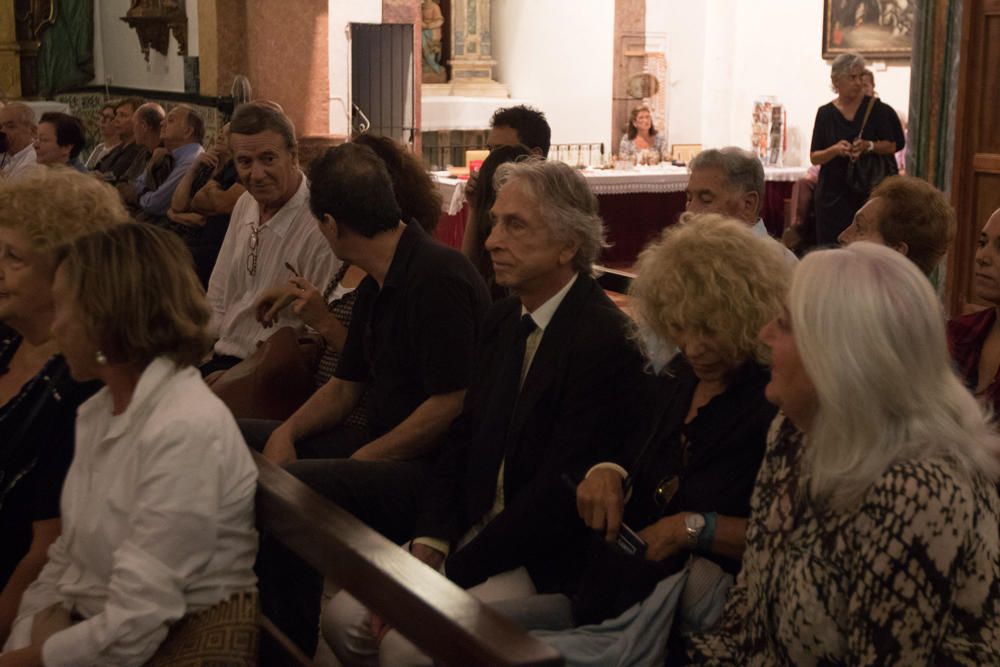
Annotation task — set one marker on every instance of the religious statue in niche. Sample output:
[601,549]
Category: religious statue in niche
[431,21]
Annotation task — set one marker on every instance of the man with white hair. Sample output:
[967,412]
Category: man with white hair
[17,128]
[729,181]
[553,387]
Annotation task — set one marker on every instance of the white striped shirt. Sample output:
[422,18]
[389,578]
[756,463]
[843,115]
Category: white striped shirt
[292,235]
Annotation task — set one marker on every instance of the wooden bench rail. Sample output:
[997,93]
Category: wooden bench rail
[443,620]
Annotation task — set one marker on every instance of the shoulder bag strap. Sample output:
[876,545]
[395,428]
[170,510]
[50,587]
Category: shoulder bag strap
[868,113]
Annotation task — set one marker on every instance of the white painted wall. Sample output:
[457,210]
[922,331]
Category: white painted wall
[341,14]
[118,60]
[723,54]
[683,23]
[557,54]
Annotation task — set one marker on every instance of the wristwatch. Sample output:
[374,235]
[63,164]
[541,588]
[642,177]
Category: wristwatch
[694,524]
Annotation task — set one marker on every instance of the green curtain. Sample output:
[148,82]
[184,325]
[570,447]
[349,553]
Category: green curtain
[934,90]
[66,57]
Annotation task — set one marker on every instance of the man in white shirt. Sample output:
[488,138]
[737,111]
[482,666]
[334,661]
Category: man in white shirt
[17,123]
[730,182]
[271,227]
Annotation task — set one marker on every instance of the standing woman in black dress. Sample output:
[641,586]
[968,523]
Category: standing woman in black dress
[835,144]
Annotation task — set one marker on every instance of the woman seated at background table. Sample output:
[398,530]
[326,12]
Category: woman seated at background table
[907,214]
[641,135]
[706,286]
[873,537]
[158,502]
[974,338]
[38,400]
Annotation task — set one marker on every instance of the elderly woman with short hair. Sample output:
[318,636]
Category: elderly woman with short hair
[158,502]
[38,400]
[873,538]
[907,214]
[836,145]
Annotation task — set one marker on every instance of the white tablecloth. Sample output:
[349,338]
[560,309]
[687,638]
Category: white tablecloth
[663,178]
[452,192]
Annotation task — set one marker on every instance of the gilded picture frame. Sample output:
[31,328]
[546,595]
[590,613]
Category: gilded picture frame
[880,29]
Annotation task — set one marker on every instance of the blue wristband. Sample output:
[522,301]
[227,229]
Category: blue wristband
[707,535]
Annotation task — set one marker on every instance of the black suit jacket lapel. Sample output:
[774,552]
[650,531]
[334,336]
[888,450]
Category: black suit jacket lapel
[550,357]
[490,440]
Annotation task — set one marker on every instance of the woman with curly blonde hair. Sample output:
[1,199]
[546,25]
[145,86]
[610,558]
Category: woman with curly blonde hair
[684,484]
[38,400]
[705,288]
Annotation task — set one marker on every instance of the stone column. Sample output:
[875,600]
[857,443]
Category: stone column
[10,60]
[472,51]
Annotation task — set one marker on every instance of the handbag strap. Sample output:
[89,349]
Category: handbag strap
[868,113]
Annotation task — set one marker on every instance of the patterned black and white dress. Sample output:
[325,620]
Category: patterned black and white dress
[909,577]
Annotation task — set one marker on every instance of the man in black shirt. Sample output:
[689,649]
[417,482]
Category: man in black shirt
[412,332]
[410,344]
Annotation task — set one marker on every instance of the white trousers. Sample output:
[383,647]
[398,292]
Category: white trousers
[345,626]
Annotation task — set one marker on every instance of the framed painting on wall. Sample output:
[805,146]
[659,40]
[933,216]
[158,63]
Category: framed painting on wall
[872,28]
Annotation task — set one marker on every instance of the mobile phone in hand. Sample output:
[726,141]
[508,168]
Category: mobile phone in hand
[629,542]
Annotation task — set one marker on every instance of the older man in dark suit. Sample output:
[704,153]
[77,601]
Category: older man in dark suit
[553,379]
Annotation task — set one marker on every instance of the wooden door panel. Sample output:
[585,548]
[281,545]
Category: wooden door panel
[976,175]
[986,196]
[988,88]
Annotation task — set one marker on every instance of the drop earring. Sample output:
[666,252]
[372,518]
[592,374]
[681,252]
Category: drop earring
[101,358]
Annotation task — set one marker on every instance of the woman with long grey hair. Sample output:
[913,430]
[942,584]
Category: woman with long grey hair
[873,536]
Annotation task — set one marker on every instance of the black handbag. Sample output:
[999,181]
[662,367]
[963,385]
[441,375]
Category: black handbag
[869,169]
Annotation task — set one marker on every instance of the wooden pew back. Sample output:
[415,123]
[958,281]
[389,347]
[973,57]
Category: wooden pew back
[443,620]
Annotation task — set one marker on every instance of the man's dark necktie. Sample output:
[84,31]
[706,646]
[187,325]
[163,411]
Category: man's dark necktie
[508,384]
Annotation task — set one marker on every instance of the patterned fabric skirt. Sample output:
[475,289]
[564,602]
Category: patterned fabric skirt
[225,635]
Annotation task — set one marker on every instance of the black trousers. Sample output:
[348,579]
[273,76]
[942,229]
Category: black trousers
[385,495]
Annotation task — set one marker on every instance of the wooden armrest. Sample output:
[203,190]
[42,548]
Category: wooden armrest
[443,620]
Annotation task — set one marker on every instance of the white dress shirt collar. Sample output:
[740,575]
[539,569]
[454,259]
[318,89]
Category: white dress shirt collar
[150,384]
[281,220]
[545,312]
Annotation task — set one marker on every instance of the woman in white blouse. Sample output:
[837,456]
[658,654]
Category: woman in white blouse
[157,506]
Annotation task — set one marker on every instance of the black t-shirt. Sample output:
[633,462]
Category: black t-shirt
[415,337]
[34,458]
[714,460]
